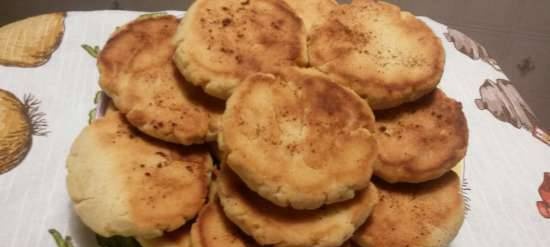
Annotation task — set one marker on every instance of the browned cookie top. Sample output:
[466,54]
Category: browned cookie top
[300,141]
[422,140]
[385,55]
[225,41]
[137,72]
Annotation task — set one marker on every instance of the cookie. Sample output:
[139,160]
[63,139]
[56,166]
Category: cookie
[422,140]
[269,224]
[415,215]
[312,12]
[300,141]
[386,55]
[122,182]
[214,229]
[178,238]
[226,41]
[137,72]
[30,42]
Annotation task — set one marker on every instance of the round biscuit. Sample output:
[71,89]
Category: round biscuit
[268,224]
[122,182]
[386,55]
[300,141]
[420,141]
[178,238]
[312,12]
[225,41]
[137,72]
[214,229]
[415,215]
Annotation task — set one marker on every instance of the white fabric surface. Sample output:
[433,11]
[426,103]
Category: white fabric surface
[503,167]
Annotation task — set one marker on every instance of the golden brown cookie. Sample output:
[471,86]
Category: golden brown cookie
[414,215]
[302,141]
[225,41]
[269,224]
[137,72]
[312,12]
[178,238]
[30,42]
[422,140]
[214,229]
[124,183]
[385,55]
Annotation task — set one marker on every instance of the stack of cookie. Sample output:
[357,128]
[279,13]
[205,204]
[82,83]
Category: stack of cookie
[282,93]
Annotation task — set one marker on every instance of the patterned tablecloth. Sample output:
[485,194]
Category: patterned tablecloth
[502,173]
